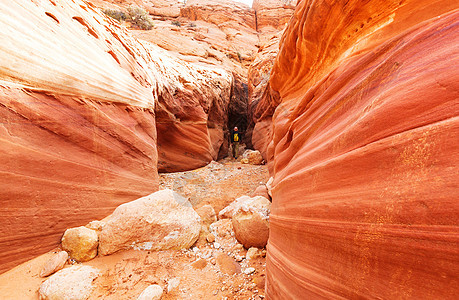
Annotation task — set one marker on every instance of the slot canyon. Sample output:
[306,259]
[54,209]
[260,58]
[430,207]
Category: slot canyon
[119,177]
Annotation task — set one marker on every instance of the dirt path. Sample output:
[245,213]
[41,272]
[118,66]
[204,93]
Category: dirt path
[203,272]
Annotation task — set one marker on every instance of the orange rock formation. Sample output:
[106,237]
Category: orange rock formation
[78,130]
[364,152]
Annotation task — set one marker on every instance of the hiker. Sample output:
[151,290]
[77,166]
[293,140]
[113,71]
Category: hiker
[235,137]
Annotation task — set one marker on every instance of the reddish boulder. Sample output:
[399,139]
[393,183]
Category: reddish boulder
[251,229]
[365,161]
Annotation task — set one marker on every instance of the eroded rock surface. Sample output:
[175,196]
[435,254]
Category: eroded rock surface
[364,152]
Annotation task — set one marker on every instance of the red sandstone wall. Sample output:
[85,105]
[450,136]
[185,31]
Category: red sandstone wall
[365,152]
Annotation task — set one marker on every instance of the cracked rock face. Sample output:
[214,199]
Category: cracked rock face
[363,151]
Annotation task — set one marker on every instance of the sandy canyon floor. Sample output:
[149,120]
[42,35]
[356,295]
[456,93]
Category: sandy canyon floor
[215,270]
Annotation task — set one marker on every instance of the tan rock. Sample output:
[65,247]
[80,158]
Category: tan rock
[250,224]
[210,238]
[81,243]
[73,283]
[253,253]
[269,186]
[244,161]
[258,203]
[95,225]
[222,228]
[207,214]
[227,264]
[259,280]
[172,284]
[261,190]
[199,264]
[254,157]
[160,221]
[153,292]
[54,264]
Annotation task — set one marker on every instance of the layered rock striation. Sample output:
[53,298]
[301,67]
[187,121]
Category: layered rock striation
[273,15]
[364,152]
[78,104]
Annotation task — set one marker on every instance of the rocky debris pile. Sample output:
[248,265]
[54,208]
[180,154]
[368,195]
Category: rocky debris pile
[73,283]
[217,265]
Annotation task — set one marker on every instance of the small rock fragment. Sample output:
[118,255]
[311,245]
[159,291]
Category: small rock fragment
[153,292]
[248,271]
[172,284]
[253,253]
[269,186]
[259,281]
[222,228]
[210,238]
[199,264]
[262,191]
[81,243]
[54,264]
[207,214]
[227,265]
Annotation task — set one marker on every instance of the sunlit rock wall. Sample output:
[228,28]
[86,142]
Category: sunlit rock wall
[364,152]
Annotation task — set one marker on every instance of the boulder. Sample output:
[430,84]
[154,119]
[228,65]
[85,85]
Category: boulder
[251,228]
[73,283]
[160,221]
[81,243]
[152,292]
[253,157]
[258,202]
[54,264]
